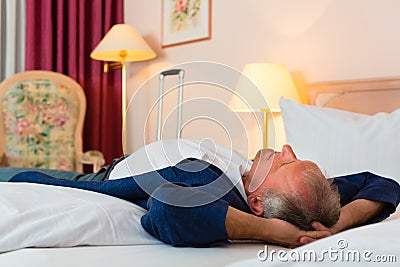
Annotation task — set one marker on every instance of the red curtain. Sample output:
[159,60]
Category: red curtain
[60,35]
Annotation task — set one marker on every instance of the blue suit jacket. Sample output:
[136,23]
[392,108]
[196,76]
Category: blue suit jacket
[184,211]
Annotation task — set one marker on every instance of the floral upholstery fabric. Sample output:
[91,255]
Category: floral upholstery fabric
[40,119]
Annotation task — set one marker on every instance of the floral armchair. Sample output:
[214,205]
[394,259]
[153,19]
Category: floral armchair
[41,122]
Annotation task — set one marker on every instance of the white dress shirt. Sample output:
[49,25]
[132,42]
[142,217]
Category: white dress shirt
[165,153]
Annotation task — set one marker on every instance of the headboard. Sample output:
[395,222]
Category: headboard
[367,96]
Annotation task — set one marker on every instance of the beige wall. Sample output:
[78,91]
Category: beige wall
[318,40]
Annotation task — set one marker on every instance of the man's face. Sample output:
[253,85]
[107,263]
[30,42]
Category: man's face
[277,171]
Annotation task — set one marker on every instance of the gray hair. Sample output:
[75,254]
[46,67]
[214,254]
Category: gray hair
[322,203]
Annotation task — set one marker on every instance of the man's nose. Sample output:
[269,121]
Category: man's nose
[287,153]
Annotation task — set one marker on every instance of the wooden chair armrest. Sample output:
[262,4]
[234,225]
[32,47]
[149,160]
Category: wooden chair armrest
[93,157]
[2,160]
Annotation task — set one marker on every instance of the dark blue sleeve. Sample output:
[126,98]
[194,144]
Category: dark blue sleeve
[372,187]
[135,189]
[178,225]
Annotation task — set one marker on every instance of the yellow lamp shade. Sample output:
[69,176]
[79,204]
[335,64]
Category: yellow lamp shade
[260,87]
[122,42]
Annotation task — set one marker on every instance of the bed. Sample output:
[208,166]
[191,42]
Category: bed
[310,130]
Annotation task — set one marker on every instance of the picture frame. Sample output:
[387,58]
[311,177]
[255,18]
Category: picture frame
[185,21]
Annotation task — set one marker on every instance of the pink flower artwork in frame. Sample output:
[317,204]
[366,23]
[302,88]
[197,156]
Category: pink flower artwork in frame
[185,21]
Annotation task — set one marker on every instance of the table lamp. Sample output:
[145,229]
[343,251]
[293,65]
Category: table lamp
[122,43]
[259,89]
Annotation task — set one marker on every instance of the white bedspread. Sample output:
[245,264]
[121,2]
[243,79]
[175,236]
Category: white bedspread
[59,221]
[34,215]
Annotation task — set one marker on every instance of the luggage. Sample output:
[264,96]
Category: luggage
[172,72]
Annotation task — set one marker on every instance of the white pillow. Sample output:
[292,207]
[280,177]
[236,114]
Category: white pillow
[343,142]
[35,215]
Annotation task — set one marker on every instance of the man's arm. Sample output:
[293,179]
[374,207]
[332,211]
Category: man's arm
[171,218]
[213,223]
[368,186]
[373,200]
[241,225]
[355,213]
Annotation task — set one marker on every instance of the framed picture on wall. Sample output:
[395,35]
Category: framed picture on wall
[185,21]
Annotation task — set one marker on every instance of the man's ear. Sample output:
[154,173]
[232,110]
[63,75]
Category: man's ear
[255,204]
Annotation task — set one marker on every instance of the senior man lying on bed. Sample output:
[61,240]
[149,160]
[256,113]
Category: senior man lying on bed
[201,195]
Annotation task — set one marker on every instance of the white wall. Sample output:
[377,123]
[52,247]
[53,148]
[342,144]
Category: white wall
[320,39]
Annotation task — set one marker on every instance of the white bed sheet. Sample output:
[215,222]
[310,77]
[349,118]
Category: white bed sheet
[128,256]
